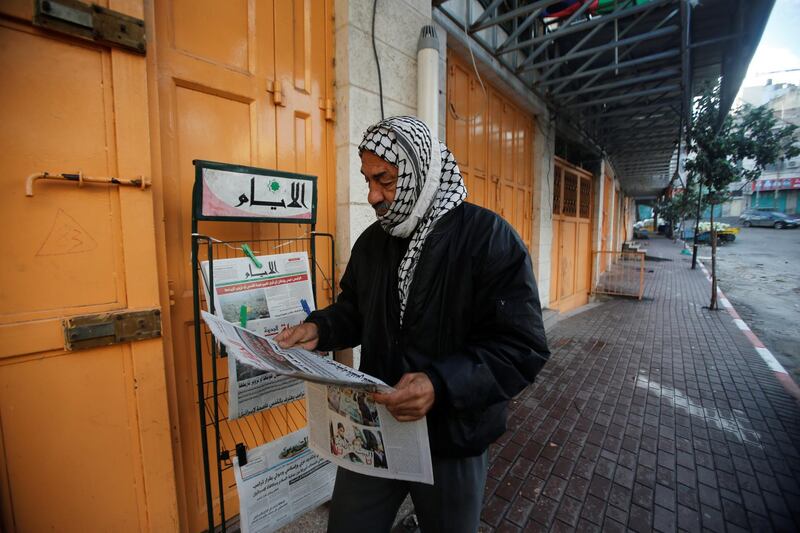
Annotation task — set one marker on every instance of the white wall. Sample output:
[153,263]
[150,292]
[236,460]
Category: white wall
[397,27]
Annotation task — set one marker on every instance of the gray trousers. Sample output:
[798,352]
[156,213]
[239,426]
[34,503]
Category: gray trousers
[452,503]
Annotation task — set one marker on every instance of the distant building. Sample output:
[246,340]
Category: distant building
[779,184]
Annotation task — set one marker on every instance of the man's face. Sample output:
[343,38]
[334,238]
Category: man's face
[382,180]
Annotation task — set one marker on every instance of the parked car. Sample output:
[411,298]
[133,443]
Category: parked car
[773,219]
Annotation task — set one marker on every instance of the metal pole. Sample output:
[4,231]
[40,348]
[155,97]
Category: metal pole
[198,348]
[214,389]
[696,226]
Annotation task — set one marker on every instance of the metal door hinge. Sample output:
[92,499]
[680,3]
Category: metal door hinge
[327,105]
[92,23]
[104,329]
[276,88]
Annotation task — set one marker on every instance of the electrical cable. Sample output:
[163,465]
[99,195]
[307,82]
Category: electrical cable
[377,61]
[451,108]
[551,157]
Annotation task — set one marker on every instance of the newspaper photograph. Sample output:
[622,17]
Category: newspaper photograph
[267,299]
[351,430]
[282,480]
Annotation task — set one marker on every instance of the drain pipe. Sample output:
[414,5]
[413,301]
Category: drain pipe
[428,78]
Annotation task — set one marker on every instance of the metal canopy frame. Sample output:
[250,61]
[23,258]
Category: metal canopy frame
[622,80]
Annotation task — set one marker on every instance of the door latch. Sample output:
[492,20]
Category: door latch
[91,22]
[105,329]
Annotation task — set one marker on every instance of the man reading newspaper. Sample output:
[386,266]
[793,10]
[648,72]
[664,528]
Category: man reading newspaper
[440,294]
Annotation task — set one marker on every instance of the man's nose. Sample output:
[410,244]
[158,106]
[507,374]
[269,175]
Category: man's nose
[375,194]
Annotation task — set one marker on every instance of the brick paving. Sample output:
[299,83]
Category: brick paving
[652,415]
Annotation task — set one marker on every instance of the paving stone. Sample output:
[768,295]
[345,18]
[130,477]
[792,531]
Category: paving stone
[577,487]
[640,519]
[544,510]
[532,488]
[664,519]
[569,511]
[555,487]
[734,513]
[508,487]
[520,510]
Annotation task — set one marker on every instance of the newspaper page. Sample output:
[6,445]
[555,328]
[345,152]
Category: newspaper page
[351,430]
[346,426]
[275,296]
[281,480]
[263,353]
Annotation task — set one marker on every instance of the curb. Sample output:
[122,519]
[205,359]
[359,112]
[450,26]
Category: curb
[780,372]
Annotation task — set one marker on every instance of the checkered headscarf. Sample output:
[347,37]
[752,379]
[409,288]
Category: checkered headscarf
[427,187]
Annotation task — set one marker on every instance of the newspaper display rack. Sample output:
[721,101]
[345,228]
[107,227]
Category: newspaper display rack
[233,194]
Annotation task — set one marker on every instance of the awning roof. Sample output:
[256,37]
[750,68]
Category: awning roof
[619,74]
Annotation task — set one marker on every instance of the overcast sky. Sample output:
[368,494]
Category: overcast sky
[779,49]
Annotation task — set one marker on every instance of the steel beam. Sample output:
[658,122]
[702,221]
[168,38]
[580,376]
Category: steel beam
[663,32]
[621,66]
[520,11]
[654,120]
[579,12]
[622,83]
[619,35]
[603,19]
[488,12]
[627,111]
[624,54]
[519,29]
[666,90]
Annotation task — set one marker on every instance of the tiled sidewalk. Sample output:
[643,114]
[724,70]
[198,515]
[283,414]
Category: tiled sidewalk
[651,415]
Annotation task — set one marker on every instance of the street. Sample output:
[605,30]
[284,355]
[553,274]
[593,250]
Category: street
[760,274]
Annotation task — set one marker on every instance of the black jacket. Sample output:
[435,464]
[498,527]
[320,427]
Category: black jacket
[473,322]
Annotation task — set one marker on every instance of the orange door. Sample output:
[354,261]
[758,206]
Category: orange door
[84,435]
[245,83]
[571,260]
[492,140]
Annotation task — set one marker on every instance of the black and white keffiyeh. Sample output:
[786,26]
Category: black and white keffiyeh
[427,187]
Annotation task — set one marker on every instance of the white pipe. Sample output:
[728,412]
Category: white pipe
[428,78]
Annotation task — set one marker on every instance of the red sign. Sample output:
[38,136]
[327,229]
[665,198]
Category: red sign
[777,184]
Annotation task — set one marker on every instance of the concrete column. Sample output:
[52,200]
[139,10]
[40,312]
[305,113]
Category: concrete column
[543,182]
[597,222]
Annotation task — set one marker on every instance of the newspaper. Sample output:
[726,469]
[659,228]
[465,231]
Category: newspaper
[351,430]
[275,296]
[281,480]
[346,426]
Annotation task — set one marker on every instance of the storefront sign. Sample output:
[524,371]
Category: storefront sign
[231,192]
[776,184]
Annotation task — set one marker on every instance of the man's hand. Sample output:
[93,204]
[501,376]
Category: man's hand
[411,400]
[305,335]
